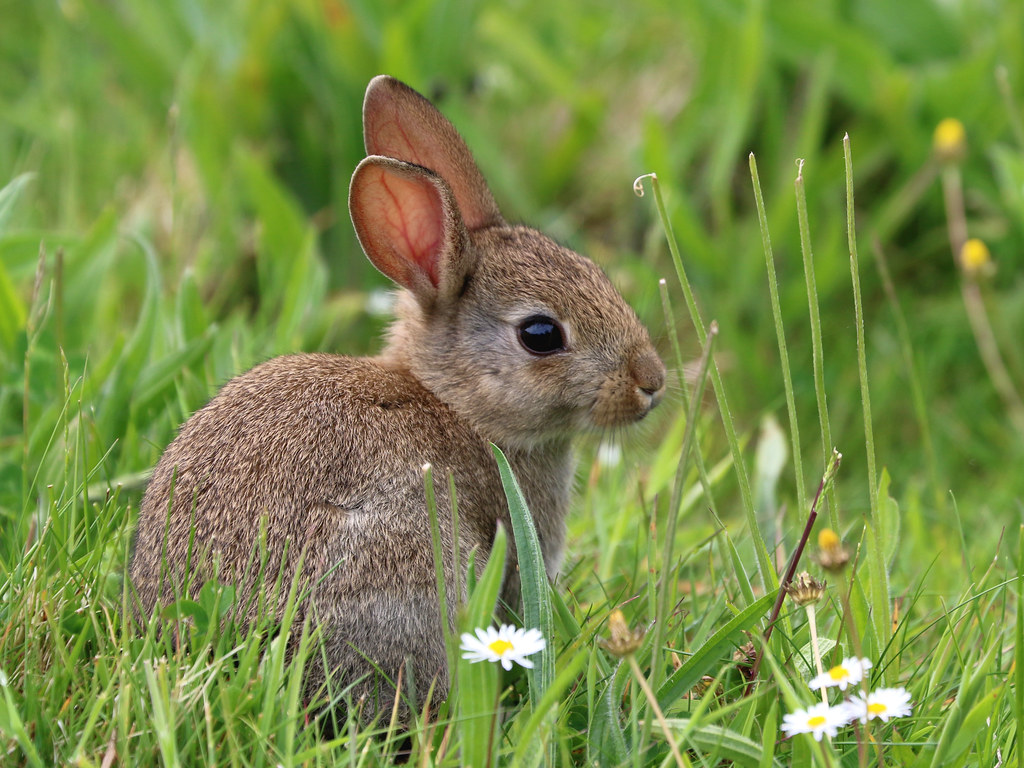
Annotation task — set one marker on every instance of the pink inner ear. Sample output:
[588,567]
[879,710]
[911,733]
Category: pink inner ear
[412,221]
[390,140]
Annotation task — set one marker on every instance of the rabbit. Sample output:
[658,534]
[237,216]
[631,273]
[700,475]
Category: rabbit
[501,336]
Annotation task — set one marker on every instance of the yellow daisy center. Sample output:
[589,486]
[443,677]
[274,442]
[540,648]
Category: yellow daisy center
[876,708]
[839,673]
[815,721]
[499,647]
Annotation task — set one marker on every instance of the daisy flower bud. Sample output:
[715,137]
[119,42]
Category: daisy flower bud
[622,640]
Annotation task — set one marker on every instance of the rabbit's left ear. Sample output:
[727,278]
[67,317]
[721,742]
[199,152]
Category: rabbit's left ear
[398,122]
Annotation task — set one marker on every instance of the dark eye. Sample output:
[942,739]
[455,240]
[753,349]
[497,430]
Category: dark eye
[540,335]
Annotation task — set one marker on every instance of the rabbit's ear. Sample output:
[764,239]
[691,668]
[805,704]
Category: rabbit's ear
[398,122]
[410,227]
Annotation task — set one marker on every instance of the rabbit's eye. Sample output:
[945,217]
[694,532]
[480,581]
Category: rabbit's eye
[541,335]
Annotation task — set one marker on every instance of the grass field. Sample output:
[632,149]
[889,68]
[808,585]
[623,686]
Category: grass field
[173,184]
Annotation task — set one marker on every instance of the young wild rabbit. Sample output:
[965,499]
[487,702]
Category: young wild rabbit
[502,336]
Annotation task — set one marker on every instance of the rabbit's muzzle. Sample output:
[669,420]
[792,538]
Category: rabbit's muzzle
[631,392]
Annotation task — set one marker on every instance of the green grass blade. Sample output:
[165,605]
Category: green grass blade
[162,711]
[527,736]
[12,724]
[12,308]
[881,545]
[1018,647]
[477,684]
[970,695]
[680,366]
[724,743]
[10,195]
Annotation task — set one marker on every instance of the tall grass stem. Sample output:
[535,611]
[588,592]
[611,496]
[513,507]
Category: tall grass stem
[666,305]
[817,351]
[667,582]
[764,565]
[780,336]
[862,364]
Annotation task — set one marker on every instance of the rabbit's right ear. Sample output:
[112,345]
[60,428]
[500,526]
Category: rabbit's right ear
[398,122]
[410,227]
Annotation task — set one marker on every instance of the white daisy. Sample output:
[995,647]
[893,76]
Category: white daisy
[883,703]
[609,454]
[506,644]
[850,672]
[818,720]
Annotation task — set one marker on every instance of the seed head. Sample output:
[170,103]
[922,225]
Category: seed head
[805,589]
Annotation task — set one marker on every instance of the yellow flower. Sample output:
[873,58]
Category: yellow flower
[975,258]
[950,141]
[832,555]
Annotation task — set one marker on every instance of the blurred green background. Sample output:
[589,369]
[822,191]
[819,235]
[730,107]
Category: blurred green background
[189,163]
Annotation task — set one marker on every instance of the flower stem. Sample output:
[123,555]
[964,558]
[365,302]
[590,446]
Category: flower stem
[653,701]
[988,348]
[815,650]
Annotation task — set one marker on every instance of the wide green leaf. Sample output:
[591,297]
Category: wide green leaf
[533,580]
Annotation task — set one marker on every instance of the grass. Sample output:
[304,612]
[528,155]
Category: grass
[173,182]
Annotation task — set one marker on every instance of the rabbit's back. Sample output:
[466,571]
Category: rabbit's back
[326,452]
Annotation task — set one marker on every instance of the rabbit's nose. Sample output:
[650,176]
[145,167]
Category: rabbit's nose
[649,374]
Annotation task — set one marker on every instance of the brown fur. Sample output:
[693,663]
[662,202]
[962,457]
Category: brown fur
[329,450]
